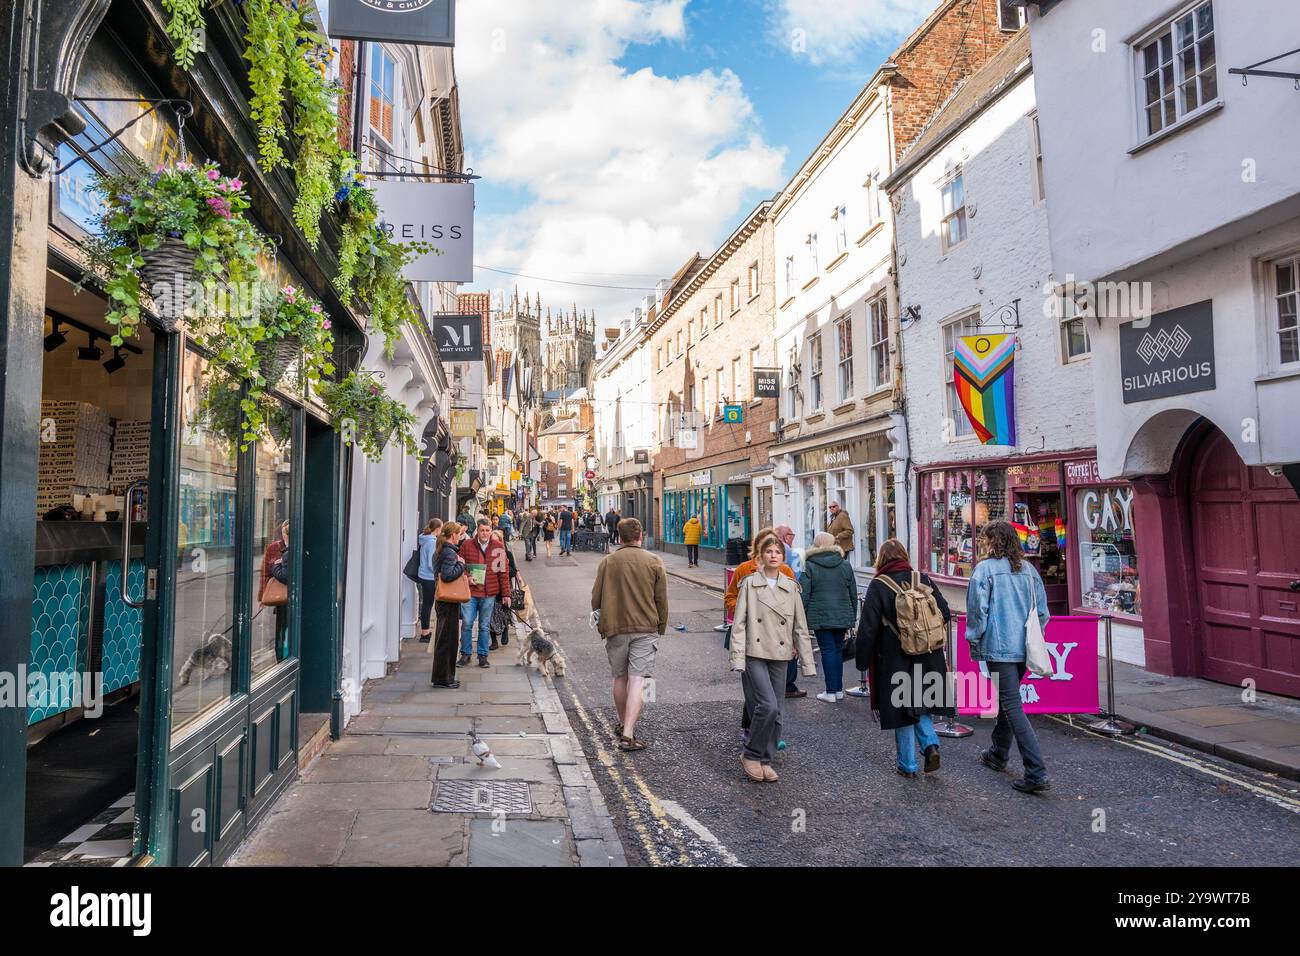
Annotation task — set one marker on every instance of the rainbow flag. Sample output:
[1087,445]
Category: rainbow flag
[1060,534]
[1023,531]
[983,370]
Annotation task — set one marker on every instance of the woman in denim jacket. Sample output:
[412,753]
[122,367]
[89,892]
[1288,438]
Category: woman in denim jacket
[1003,589]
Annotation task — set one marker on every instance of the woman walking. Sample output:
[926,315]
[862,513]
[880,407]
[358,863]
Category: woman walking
[903,685]
[427,540]
[548,530]
[830,602]
[1004,590]
[448,567]
[768,626]
[692,531]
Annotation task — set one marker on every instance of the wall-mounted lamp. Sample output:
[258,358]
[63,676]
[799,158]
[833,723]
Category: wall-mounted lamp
[56,337]
[115,363]
[90,352]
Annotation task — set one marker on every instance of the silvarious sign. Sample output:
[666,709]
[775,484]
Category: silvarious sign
[767,383]
[427,22]
[1171,354]
[459,336]
[441,214]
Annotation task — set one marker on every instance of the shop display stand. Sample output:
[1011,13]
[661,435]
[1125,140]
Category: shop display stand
[1109,725]
[948,726]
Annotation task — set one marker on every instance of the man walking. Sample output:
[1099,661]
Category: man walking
[489,581]
[611,525]
[842,527]
[631,596]
[506,526]
[528,528]
[566,530]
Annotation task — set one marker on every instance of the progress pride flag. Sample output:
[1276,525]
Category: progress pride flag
[1071,688]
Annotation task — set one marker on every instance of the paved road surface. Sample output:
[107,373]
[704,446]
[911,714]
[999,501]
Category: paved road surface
[684,801]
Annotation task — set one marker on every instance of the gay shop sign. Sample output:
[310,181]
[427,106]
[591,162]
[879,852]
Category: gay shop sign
[1071,688]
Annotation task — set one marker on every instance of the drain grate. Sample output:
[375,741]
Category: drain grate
[482,796]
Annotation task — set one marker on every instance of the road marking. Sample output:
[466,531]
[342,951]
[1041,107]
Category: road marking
[683,816]
[1279,798]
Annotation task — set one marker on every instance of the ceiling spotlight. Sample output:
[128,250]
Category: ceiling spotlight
[90,352]
[55,338]
[115,363]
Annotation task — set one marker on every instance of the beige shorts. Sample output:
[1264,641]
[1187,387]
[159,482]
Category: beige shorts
[632,655]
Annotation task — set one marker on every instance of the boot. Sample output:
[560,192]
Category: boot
[462,660]
[483,661]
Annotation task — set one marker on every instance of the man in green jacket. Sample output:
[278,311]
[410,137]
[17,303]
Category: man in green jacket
[631,598]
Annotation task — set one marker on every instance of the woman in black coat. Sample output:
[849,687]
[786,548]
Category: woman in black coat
[447,566]
[906,689]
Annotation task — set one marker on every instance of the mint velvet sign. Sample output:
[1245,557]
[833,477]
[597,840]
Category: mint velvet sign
[1172,354]
[428,22]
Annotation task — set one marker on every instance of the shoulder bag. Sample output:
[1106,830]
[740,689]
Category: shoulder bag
[1037,659]
[412,569]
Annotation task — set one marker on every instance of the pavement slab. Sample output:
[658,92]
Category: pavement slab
[519,843]
[367,768]
[405,838]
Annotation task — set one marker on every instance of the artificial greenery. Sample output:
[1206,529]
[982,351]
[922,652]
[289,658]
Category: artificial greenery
[185,28]
[370,262]
[196,204]
[367,417]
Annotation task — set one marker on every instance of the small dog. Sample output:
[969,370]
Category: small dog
[216,649]
[537,645]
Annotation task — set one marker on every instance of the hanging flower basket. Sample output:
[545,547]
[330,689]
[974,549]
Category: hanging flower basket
[275,356]
[367,417]
[279,425]
[167,273]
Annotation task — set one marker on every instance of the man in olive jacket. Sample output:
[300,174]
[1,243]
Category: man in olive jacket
[842,527]
[631,594]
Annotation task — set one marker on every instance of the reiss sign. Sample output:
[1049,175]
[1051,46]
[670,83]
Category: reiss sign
[1071,688]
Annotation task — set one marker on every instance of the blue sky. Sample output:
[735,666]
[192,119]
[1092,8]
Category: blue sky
[618,137]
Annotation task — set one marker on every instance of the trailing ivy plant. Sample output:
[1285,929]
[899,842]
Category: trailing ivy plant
[185,29]
[270,39]
[367,417]
[370,262]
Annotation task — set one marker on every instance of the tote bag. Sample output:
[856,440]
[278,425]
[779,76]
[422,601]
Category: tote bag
[454,592]
[412,569]
[1037,659]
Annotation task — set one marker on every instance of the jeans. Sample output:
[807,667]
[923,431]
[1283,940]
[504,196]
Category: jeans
[906,739]
[791,675]
[1013,722]
[761,681]
[480,607]
[566,541]
[831,641]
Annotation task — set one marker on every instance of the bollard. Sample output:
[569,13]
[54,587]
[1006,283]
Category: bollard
[1108,726]
[948,726]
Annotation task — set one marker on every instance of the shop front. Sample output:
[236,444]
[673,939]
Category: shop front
[1075,528]
[720,497]
[137,528]
[858,474]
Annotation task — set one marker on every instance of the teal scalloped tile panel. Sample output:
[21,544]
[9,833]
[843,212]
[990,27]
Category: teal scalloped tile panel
[120,659]
[60,615]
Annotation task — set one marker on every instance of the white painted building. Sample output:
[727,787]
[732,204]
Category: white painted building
[410,109]
[625,421]
[974,259]
[1174,182]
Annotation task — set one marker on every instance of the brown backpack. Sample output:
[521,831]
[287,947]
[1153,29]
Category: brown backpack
[920,626]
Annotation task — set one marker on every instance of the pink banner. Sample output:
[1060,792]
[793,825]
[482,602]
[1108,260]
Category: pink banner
[1071,688]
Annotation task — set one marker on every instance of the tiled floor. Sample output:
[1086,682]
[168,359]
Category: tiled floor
[104,841]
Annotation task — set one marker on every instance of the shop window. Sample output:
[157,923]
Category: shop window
[1037,517]
[959,542]
[961,504]
[1108,569]
[811,507]
[1177,70]
[1286,299]
[269,633]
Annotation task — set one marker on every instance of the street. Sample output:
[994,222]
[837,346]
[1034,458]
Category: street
[684,801]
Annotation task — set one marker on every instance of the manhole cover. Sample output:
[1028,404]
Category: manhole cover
[482,796]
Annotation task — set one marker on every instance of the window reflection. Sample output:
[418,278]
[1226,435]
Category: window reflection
[203,652]
[269,634]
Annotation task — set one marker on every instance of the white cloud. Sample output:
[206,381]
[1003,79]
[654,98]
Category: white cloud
[834,31]
[622,172]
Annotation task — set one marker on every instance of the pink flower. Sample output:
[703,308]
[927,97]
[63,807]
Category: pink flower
[327,325]
[290,294]
[315,307]
[220,207]
[183,167]
[234,185]
[213,175]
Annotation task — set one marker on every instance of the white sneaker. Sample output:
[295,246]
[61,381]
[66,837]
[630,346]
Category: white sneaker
[828,697]
[839,695]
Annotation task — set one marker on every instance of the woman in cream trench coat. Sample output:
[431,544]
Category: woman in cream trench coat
[769,621]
